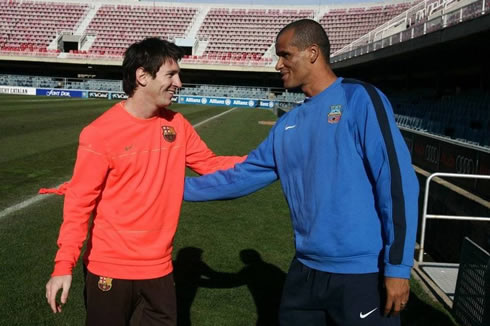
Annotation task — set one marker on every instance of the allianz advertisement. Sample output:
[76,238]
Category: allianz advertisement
[223,101]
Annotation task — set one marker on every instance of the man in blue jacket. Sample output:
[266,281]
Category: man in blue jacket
[350,186]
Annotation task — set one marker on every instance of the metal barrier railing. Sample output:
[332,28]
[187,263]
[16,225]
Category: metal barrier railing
[368,43]
[472,293]
[426,216]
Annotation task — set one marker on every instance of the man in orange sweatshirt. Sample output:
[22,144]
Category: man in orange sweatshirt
[129,174]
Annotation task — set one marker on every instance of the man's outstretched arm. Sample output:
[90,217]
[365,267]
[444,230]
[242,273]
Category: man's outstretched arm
[256,172]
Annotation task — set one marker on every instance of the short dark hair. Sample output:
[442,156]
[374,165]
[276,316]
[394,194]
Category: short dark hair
[306,33]
[149,54]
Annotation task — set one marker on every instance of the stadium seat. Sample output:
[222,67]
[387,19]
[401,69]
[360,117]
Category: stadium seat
[245,31]
[31,26]
[346,25]
[233,35]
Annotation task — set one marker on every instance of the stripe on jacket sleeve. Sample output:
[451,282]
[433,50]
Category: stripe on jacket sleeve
[397,197]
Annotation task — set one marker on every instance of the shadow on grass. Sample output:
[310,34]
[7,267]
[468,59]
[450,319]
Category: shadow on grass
[420,313]
[264,281]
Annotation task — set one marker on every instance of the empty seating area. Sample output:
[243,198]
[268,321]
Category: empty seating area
[230,36]
[29,27]
[462,117]
[244,35]
[421,18]
[290,97]
[344,26]
[117,26]
[225,91]
[434,8]
[433,15]
[61,82]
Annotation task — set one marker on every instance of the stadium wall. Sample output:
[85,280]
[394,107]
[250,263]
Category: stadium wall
[434,153]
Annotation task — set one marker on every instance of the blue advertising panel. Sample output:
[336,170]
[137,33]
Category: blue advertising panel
[190,100]
[222,101]
[266,104]
[60,92]
[118,96]
[98,94]
[243,102]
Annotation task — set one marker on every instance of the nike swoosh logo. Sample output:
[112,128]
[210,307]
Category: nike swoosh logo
[290,127]
[367,314]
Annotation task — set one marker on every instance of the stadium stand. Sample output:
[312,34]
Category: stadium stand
[291,97]
[243,35]
[238,35]
[420,19]
[118,26]
[29,27]
[346,25]
[463,117]
[58,82]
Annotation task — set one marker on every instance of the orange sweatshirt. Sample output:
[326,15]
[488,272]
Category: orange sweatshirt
[129,174]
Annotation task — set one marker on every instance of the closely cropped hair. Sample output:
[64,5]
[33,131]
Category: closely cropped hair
[306,33]
[149,54]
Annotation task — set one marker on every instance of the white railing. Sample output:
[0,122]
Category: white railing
[426,216]
[401,28]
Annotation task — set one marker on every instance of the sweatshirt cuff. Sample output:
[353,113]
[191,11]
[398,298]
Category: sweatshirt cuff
[62,268]
[398,271]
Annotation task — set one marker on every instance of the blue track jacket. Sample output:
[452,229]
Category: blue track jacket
[347,176]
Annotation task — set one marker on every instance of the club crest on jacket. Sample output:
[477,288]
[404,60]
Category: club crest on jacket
[105,283]
[335,113]
[169,133]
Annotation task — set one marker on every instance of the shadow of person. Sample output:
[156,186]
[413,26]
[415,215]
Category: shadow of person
[264,281]
[188,269]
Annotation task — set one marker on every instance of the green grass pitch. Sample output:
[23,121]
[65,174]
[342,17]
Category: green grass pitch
[38,141]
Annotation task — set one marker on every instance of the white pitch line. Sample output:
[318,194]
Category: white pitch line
[37,198]
[213,117]
[21,205]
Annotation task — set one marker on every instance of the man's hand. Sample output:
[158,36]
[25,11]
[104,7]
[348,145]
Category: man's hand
[397,293]
[54,284]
